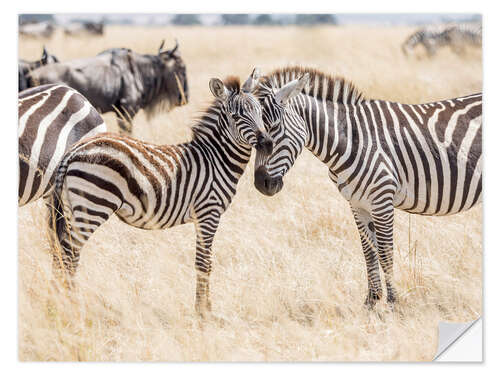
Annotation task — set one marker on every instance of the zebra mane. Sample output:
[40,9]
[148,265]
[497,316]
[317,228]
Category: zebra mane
[232,83]
[321,85]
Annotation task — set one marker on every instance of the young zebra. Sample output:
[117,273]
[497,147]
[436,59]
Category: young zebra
[156,187]
[454,35]
[51,119]
[424,159]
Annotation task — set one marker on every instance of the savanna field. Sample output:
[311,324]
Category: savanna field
[289,276]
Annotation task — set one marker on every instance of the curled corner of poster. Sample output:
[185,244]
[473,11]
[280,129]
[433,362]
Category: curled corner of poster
[460,342]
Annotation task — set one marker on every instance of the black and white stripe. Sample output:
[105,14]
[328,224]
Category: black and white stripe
[51,119]
[424,159]
[156,187]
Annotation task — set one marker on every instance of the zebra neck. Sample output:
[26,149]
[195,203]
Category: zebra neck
[226,158]
[330,128]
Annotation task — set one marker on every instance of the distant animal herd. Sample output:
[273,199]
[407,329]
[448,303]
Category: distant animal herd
[422,158]
[46,29]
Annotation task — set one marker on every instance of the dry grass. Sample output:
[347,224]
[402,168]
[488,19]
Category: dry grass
[289,276]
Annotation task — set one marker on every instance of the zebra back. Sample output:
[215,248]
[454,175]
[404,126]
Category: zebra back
[51,119]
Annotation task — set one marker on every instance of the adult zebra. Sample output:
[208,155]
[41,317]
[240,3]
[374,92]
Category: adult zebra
[424,159]
[157,187]
[454,35]
[51,119]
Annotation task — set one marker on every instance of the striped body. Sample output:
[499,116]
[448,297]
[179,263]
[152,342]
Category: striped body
[430,153]
[146,185]
[155,187]
[51,119]
[424,159]
[457,36]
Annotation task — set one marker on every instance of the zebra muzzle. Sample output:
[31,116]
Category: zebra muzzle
[266,184]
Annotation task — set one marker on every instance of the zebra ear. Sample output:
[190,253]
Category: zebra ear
[291,89]
[218,89]
[252,81]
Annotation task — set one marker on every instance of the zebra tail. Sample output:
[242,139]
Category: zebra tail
[58,219]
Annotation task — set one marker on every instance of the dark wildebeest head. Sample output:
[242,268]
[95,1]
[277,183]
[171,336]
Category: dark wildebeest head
[47,58]
[173,82]
[26,66]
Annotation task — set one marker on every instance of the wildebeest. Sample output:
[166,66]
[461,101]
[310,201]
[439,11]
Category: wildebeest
[122,81]
[37,30]
[84,28]
[26,66]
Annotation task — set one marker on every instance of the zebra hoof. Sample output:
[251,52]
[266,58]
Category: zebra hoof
[372,298]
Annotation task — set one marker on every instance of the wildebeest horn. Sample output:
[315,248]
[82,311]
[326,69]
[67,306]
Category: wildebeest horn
[172,51]
[161,46]
[45,56]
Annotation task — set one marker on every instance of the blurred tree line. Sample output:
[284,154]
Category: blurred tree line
[260,19]
[196,19]
[34,18]
[186,19]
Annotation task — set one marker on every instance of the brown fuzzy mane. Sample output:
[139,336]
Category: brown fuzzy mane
[232,83]
[321,85]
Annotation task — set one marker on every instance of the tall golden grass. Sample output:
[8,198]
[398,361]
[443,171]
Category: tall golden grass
[289,276]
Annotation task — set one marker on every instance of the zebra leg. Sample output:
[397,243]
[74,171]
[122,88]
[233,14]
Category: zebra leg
[74,218]
[383,219]
[205,232]
[369,244]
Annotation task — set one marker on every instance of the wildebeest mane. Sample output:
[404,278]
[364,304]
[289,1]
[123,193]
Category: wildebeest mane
[155,98]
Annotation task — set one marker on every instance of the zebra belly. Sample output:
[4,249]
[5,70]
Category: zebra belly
[148,220]
[451,196]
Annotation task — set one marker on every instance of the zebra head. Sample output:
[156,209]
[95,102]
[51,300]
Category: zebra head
[242,113]
[287,130]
